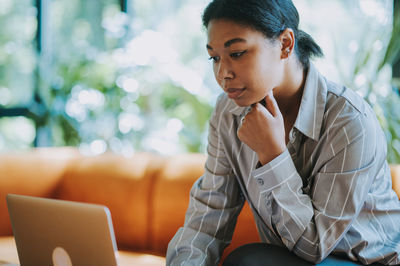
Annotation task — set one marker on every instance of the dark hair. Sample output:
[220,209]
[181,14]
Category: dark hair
[271,17]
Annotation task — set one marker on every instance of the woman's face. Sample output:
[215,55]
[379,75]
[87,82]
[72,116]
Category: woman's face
[246,64]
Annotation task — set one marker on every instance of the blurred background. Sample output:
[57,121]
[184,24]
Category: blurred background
[134,75]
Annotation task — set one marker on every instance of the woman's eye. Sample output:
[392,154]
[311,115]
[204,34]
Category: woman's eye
[214,58]
[237,54]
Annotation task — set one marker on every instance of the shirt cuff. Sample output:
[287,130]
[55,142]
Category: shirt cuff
[276,172]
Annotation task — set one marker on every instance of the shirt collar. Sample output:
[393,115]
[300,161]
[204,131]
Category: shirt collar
[237,110]
[312,106]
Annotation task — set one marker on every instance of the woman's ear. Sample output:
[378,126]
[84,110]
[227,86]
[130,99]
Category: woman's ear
[287,41]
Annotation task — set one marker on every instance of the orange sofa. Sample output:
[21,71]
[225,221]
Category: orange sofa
[147,195]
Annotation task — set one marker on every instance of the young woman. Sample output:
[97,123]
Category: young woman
[307,154]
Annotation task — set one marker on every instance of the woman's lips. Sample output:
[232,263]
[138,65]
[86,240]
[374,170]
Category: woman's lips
[234,93]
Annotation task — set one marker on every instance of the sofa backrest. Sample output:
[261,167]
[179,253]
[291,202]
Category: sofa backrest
[36,172]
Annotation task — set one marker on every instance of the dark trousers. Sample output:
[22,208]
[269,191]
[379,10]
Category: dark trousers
[262,254]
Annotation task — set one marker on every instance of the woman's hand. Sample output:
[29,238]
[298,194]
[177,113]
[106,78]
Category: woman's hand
[263,130]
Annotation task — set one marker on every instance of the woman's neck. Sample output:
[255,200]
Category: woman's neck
[289,94]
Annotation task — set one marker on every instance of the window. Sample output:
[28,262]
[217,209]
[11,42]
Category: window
[18,62]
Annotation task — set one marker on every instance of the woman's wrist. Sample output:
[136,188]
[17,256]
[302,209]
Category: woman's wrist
[264,158]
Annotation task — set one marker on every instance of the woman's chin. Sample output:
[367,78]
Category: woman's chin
[242,102]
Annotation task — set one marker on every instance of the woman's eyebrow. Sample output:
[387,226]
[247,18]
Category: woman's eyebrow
[235,40]
[228,43]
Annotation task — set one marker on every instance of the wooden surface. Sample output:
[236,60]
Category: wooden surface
[9,256]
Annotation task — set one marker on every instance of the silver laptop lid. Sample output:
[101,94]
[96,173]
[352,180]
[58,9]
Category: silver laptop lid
[56,232]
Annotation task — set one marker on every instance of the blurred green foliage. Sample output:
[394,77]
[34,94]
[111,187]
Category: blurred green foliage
[373,66]
[388,107]
[130,89]
[107,80]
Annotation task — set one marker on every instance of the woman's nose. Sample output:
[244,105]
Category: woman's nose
[224,71]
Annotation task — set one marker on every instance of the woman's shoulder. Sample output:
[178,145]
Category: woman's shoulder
[347,111]
[224,101]
[225,114]
[226,107]
[341,95]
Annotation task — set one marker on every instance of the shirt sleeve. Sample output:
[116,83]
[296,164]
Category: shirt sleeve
[215,202]
[312,224]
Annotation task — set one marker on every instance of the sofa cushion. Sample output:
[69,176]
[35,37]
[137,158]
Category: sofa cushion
[123,185]
[170,197]
[36,173]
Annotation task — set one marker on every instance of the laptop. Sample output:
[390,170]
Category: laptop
[51,232]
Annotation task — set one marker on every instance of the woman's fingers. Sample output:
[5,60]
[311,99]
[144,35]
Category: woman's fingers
[271,104]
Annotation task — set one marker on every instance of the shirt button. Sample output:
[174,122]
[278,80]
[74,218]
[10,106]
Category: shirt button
[293,136]
[260,181]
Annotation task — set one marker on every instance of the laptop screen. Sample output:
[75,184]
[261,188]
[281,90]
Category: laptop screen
[61,233]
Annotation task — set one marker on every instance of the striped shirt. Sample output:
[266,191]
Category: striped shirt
[328,192]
